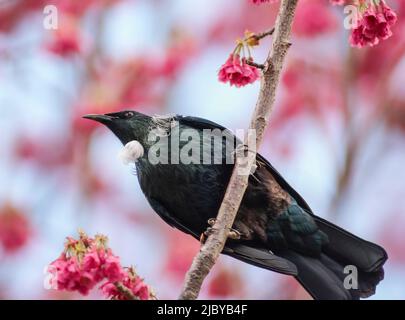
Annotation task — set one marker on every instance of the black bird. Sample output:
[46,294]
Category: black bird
[276,228]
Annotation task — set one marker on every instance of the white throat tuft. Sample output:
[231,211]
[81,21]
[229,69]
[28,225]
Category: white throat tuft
[131,152]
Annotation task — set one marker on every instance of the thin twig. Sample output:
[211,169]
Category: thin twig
[264,34]
[254,64]
[125,291]
[211,249]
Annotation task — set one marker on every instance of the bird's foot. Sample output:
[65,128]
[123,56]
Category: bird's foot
[232,234]
[204,236]
[212,221]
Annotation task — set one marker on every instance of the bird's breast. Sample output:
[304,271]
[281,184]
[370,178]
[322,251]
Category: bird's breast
[191,193]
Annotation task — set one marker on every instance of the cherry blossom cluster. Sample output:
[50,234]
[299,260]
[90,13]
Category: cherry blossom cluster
[238,70]
[87,262]
[374,24]
[374,20]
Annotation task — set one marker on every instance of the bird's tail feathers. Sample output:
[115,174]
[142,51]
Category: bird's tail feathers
[348,268]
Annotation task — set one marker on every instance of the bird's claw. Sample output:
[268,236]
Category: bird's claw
[205,235]
[203,238]
[233,233]
[208,231]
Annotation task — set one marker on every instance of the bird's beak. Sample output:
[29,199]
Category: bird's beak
[102,118]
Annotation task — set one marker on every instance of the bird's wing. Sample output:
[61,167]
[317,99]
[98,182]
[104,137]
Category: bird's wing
[256,256]
[200,123]
[260,257]
[366,255]
[167,217]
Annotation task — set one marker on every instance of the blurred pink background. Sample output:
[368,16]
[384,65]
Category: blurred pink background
[337,134]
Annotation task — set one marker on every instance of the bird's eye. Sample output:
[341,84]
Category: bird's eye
[128,114]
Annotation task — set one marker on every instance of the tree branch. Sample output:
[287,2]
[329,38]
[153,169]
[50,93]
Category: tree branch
[211,249]
[262,35]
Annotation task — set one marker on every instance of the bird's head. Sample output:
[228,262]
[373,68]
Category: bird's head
[127,125]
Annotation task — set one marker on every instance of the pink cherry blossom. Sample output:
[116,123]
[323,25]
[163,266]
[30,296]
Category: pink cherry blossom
[140,289]
[110,290]
[68,275]
[131,281]
[88,261]
[64,45]
[91,261]
[373,26]
[15,229]
[389,15]
[237,72]
[112,268]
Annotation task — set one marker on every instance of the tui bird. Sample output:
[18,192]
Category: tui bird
[274,229]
